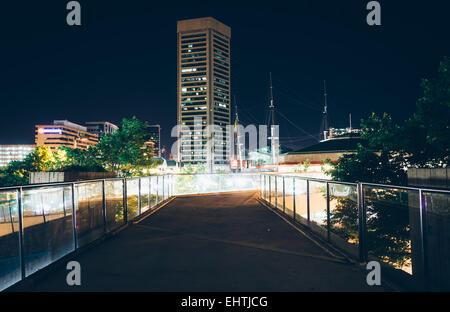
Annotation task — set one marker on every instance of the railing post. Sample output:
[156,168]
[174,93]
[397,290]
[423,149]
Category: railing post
[423,246]
[139,197]
[362,224]
[104,206]
[20,216]
[74,218]
[308,211]
[125,200]
[293,196]
[284,197]
[328,213]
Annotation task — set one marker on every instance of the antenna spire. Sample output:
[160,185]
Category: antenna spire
[325,111]
[273,128]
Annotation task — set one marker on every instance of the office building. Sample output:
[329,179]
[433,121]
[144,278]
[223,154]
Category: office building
[203,90]
[64,133]
[100,127]
[12,152]
[154,135]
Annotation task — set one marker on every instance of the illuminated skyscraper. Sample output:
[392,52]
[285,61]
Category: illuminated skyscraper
[204,86]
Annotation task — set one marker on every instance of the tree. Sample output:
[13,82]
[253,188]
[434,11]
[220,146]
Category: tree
[426,135]
[40,159]
[388,149]
[125,151]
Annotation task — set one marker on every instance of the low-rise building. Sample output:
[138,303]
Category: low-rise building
[315,155]
[12,152]
[64,133]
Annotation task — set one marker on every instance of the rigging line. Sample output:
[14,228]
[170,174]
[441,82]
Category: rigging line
[297,97]
[250,117]
[298,101]
[293,124]
[295,140]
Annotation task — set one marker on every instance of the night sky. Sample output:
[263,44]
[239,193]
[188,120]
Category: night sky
[122,61]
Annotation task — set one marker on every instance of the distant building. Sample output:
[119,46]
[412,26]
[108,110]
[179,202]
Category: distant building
[154,135]
[12,152]
[342,133]
[100,127]
[204,88]
[152,146]
[315,155]
[64,133]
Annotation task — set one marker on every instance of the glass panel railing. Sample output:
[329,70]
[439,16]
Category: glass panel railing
[272,194]
[437,238]
[89,214]
[114,204]
[279,193]
[47,226]
[388,224]
[153,190]
[145,189]
[289,196]
[318,202]
[213,183]
[9,239]
[344,216]
[132,198]
[301,211]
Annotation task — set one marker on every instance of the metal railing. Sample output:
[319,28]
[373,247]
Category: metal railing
[42,223]
[406,229]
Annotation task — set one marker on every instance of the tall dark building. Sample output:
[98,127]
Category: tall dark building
[204,88]
[154,135]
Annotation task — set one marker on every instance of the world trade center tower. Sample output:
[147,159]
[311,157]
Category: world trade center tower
[203,90]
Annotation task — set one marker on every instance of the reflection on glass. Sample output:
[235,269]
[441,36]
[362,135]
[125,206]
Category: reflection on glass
[89,212]
[213,183]
[280,192]
[300,200]
[388,224]
[289,197]
[437,237]
[9,240]
[145,182]
[47,226]
[318,202]
[114,204]
[344,212]
[132,198]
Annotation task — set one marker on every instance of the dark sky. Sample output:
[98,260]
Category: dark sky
[122,61]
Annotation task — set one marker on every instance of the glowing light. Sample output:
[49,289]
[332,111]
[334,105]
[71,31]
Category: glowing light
[50,131]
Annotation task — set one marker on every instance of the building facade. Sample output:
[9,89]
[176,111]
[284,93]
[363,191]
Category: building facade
[100,127]
[203,90]
[64,133]
[12,152]
[154,136]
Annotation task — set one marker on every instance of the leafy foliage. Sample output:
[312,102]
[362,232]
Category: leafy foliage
[387,149]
